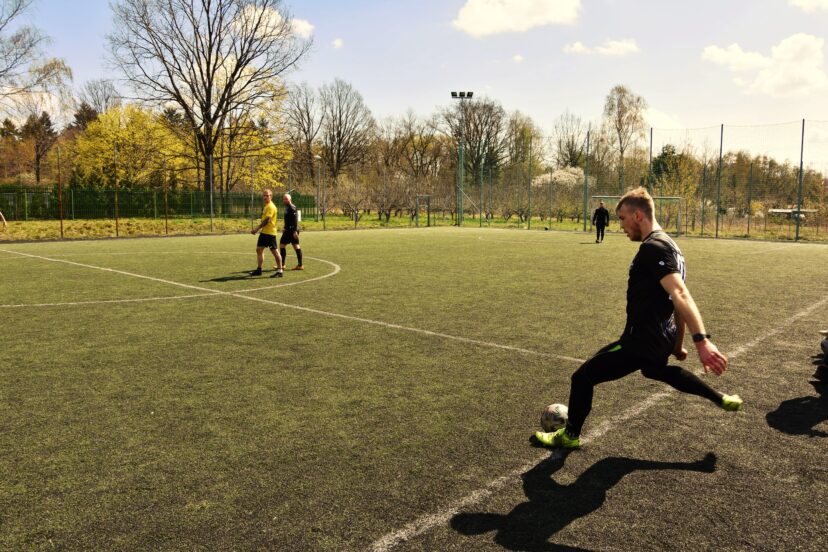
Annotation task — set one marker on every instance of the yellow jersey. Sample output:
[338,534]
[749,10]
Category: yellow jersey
[269,211]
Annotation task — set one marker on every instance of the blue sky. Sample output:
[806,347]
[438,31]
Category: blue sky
[696,63]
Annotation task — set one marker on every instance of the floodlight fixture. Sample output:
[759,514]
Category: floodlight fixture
[454,94]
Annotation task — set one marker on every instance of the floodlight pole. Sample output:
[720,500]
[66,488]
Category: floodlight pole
[480,208]
[799,196]
[461,157]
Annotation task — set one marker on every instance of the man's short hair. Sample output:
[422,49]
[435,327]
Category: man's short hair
[288,196]
[267,191]
[638,199]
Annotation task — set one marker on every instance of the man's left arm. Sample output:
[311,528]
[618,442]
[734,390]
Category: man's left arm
[688,314]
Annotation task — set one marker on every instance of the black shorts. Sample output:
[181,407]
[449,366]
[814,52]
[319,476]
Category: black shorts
[267,240]
[289,236]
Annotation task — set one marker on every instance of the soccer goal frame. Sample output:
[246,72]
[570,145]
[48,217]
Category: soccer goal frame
[425,200]
[660,208]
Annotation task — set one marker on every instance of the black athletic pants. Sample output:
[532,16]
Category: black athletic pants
[599,232]
[614,362]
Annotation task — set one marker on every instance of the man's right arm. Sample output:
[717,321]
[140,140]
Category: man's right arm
[261,225]
[688,312]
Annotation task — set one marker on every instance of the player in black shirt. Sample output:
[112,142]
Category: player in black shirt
[600,219]
[659,306]
[291,232]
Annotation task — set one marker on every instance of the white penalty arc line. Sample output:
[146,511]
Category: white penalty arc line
[312,310]
[212,293]
[428,522]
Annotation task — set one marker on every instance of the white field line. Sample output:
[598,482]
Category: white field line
[107,301]
[427,522]
[336,271]
[313,311]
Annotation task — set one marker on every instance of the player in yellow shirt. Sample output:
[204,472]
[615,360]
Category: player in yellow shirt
[268,236]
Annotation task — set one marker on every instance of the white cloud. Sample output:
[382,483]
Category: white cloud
[615,48]
[480,18]
[618,47]
[736,59]
[338,43]
[270,22]
[577,48]
[517,58]
[795,67]
[809,6]
[302,28]
[660,119]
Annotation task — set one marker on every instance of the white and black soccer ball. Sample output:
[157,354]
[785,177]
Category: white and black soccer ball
[554,417]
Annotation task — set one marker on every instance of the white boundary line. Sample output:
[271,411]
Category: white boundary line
[311,310]
[427,522]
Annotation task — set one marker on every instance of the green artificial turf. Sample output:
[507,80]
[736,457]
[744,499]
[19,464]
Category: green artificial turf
[217,416]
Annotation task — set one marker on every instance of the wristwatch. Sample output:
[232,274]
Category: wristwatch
[700,337]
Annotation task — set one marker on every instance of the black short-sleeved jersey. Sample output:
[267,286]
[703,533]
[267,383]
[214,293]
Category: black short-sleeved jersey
[651,330]
[290,217]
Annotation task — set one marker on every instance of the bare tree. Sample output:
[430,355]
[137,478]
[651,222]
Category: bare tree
[483,129]
[423,149]
[569,137]
[624,112]
[304,118]
[100,95]
[348,128]
[212,58]
[22,68]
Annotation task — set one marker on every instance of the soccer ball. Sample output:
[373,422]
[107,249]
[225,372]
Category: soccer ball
[554,417]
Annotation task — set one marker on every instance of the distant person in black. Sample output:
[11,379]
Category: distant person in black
[290,235]
[659,306]
[600,219]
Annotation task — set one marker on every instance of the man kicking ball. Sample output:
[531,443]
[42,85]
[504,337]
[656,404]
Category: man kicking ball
[268,236]
[659,306]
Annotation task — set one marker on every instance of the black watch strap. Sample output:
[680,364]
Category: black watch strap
[700,337]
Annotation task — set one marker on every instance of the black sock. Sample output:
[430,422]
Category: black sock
[299,256]
[283,252]
[684,381]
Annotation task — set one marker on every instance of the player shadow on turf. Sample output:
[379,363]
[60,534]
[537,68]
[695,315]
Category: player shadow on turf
[245,275]
[552,506]
[801,415]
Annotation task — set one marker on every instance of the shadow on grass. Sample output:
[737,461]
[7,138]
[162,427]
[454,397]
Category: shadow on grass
[234,276]
[553,506]
[801,415]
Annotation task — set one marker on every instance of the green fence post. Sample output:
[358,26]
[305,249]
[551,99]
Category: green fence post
[586,183]
[719,179]
[704,185]
[750,196]
[529,183]
[25,205]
